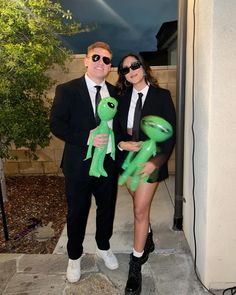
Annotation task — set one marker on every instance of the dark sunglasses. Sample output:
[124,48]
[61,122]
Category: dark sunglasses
[105,59]
[134,66]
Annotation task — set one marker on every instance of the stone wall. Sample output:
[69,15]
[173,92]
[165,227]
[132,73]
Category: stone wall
[49,158]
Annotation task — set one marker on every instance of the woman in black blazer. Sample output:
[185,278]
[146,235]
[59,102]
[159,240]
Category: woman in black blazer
[137,85]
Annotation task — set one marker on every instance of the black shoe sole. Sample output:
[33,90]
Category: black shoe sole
[136,292]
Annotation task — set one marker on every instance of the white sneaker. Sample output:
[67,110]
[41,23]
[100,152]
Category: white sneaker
[108,257]
[73,270]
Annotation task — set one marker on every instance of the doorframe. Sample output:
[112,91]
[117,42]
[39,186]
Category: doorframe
[180,113]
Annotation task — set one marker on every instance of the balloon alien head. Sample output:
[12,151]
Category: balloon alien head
[156,128]
[107,108]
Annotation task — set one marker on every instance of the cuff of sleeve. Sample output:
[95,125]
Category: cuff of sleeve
[118,145]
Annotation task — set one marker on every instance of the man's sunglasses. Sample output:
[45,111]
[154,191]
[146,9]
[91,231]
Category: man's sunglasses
[105,59]
[134,66]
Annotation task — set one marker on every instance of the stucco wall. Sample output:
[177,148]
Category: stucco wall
[50,157]
[214,126]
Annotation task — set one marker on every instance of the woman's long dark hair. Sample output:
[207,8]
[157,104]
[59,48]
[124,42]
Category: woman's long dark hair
[122,84]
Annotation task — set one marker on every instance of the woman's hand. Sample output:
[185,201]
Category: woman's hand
[133,146]
[148,168]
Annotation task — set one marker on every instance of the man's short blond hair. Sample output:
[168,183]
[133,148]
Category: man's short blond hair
[99,44]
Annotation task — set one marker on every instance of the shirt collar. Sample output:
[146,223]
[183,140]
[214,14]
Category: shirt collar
[90,83]
[144,91]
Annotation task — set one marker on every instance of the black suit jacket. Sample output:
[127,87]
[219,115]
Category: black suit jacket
[158,102]
[71,119]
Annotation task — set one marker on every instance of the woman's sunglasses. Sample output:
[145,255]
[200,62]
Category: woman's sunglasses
[105,59]
[134,66]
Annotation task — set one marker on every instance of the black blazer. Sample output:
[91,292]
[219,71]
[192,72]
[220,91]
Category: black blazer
[158,102]
[71,120]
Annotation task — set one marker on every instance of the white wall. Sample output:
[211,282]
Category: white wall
[215,140]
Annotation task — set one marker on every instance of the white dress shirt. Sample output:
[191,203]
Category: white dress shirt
[132,106]
[104,93]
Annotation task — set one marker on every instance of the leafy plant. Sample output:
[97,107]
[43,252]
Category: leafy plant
[29,46]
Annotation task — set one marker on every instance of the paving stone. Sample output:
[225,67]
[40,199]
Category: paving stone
[174,274]
[169,241]
[35,284]
[6,257]
[43,263]
[92,284]
[7,270]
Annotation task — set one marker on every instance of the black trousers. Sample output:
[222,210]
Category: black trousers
[79,193]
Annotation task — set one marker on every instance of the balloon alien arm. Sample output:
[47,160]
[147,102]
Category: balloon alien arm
[113,148]
[91,139]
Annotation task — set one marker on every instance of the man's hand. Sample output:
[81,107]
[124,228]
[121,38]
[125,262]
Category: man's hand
[100,140]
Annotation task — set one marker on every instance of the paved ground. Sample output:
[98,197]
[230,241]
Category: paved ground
[169,271]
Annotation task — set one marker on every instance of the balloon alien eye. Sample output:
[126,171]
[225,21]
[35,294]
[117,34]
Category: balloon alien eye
[152,124]
[164,130]
[111,105]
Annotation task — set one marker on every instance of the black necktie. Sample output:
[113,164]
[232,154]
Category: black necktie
[97,100]
[137,115]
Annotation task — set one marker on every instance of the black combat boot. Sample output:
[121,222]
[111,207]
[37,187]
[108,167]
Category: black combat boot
[148,248]
[134,283]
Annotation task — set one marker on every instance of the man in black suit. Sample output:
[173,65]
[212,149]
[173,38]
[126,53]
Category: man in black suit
[73,119]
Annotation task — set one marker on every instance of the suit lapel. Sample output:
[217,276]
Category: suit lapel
[111,89]
[147,102]
[84,95]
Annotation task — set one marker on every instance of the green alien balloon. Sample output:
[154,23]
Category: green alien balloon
[158,130]
[107,109]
